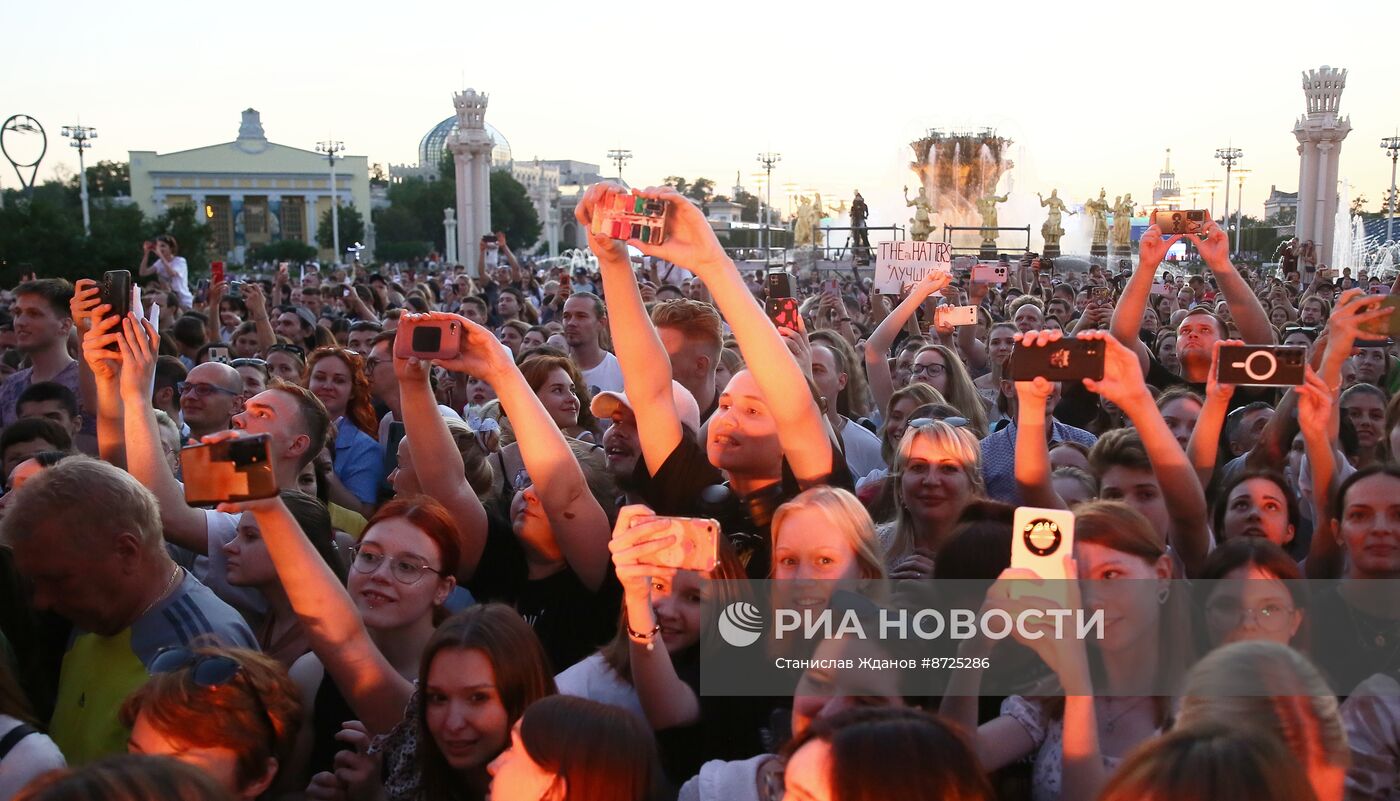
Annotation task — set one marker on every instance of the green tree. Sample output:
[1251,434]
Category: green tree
[750,203]
[702,190]
[512,212]
[108,179]
[677,182]
[352,228]
[1358,204]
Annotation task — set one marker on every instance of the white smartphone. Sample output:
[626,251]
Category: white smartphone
[1159,288]
[990,273]
[955,315]
[1040,540]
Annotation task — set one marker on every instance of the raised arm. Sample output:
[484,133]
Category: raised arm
[442,474]
[103,368]
[667,700]
[646,368]
[145,459]
[257,311]
[1204,447]
[1249,315]
[877,347]
[376,692]
[802,427]
[1032,464]
[1318,417]
[1132,303]
[212,323]
[145,268]
[1123,384]
[579,524]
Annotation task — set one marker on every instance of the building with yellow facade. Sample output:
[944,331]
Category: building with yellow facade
[252,191]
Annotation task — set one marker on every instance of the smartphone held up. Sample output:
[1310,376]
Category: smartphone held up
[230,471]
[428,339]
[696,546]
[1067,359]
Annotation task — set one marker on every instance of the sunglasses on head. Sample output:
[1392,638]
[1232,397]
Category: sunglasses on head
[955,422]
[211,672]
[295,350]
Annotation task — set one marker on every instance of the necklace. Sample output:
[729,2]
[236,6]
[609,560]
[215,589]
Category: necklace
[1112,721]
[168,586]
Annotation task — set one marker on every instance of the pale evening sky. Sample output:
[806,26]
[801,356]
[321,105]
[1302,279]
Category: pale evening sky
[1092,94]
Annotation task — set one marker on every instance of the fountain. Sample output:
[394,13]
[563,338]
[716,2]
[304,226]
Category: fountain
[956,168]
[1349,239]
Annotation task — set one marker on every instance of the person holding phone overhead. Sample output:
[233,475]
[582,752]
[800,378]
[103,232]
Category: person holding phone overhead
[169,267]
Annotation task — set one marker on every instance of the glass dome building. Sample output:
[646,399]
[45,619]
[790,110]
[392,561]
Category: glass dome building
[434,145]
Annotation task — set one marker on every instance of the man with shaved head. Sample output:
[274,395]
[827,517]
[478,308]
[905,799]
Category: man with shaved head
[210,396]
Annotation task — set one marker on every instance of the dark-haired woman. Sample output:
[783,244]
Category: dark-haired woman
[574,749]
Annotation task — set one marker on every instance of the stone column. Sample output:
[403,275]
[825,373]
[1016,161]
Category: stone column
[1307,171]
[310,206]
[449,225]
[1321,190]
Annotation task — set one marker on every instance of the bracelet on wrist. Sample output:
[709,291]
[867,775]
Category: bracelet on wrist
[648,639]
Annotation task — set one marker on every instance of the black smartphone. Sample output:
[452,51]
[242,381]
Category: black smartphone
[1262,365]
[780,284]
[116,292]
[231,470]
[1069,359]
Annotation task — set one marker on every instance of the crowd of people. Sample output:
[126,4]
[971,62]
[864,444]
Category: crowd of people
[457,590]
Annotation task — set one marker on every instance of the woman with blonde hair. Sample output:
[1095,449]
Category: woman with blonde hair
[1272,690]
[899,411]
[825,533]
[937,473]
[1207,763]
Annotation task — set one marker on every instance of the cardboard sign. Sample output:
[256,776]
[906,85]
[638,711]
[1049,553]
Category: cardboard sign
[900,265]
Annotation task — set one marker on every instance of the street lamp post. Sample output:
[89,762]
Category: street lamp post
[768,160]
[82,137]
[1228,156]
[1239,210]
[1391,144]
[620,156]
[331,147]
[1211,183]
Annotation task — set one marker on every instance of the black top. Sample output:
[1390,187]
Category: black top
[688,485]
[571,620]
[331,710]
[1352,644]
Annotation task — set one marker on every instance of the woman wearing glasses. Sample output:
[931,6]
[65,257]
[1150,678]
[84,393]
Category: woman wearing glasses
[337,377]
[232,713]
[371,634]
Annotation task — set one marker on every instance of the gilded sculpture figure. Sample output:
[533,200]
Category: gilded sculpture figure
[921,224]
[1051,230]
[987,207]
[1098,210]
[1123,224]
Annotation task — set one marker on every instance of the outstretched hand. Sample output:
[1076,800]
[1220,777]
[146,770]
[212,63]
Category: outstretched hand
[690,241]
[1214,246]
[600,195]
[139,345]
[1152,248]
[1123,383]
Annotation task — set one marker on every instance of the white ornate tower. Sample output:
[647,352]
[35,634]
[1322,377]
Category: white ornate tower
[1320,133]
[471,151]
[1167,193]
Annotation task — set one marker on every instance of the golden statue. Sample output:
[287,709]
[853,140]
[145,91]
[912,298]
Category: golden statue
[1098,209]
[806,222]
[921,224]
[1123,224]
[987,207]
[1051,230]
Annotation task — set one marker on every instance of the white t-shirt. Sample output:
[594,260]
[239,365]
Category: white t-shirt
[862,449]
[595,680]
[176,274]
[605,377]
[31,757]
